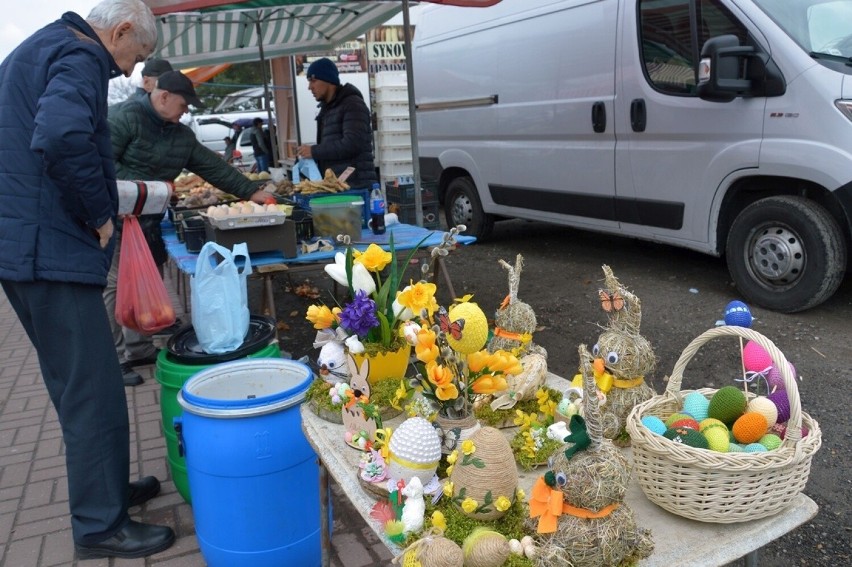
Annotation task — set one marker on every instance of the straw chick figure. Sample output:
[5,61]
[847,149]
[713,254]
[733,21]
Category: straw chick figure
[577,508]
[514,325]
[623,357]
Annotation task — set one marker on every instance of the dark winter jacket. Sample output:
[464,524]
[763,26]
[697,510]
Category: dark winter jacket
[345,137]
[57,182]
[148,148]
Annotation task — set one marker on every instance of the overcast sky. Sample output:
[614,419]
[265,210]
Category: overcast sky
[22,18]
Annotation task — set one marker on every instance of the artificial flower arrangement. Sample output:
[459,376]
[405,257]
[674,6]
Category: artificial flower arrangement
[538,438]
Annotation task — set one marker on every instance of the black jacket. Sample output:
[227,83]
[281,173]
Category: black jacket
[345,137]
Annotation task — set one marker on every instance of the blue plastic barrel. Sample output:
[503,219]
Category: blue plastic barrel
[253,477]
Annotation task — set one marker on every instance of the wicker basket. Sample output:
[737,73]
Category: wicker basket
[716,487]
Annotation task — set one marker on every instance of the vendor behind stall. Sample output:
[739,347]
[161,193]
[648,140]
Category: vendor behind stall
[149,143]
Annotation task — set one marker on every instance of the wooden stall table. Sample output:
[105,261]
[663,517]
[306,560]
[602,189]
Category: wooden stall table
[268,265]
[677,540]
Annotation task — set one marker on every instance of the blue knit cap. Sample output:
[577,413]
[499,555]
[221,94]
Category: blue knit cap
[325,70]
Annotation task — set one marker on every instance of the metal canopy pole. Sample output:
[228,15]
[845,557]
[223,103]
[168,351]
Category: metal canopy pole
[412,115]
[273,140]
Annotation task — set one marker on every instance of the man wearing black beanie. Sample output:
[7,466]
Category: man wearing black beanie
[344,127]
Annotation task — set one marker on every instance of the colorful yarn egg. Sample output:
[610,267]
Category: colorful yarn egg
[735,448]
[782,404]
[695,404]
[717,439]
[727,404]
[686,422]
[765,407]
[711,422]
[474,335]
[755,357]
[749,427]
[754,448]
[770,441]
[775,380]
[737,314]
[675,417]
[686,436]
[414,450]
[654,423]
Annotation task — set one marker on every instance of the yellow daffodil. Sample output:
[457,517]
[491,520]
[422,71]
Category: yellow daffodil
[450,470]
[451,458]
[426,350]
[489,384]
[399,395]
[361,278]
[520,494]
[467,447]
[373,258]
[439,521]
[419,296]
[502,503]
[477,361]
[469,505]
[448,489]
[541,396]
[521,418]
[442,378]
[322,317]
[548,408]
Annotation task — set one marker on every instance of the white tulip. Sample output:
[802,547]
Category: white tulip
[362,280]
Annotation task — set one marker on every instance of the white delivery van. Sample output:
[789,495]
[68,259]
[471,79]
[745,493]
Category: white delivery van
[724,126]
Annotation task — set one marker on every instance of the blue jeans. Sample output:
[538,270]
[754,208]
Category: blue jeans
[262,162]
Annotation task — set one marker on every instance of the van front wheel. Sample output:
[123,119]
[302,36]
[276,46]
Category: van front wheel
[786,253]
[462,206]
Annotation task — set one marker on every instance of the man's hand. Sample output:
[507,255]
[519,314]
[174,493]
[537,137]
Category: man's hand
[262,197]
[105,232]
[304,151]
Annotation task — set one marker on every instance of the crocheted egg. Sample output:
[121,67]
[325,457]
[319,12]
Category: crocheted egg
[764,407]
[695,404]
[415,450]
[775,380]
[749,427]
[654,423]
[717,439]
[483,473]
[735,448]
[727,404]
[754,448]
[737,314]
[755,357]
[686,436]
[710,422]
[686,422]
[770,441]
[474,331]
[782,404]
[675,417]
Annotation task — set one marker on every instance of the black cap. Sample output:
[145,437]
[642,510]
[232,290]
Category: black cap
[156,67]
[176,82]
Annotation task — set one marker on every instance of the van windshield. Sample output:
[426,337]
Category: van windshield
[821,27]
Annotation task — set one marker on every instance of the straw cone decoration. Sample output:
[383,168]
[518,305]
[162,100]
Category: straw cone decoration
[485,474]
[604,532]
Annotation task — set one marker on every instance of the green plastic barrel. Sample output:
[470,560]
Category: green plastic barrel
[172,375]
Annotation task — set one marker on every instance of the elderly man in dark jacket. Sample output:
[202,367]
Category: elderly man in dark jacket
[58,205]
[344,127]
[149,143]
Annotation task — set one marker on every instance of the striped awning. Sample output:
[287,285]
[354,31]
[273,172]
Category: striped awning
[237,35]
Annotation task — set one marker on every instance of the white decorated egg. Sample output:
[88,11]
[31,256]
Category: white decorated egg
[415,450]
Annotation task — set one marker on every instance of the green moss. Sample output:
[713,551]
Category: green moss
[548,448]
[488,416]
[317,395]
[383,391]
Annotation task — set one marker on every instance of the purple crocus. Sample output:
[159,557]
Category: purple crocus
[359,316]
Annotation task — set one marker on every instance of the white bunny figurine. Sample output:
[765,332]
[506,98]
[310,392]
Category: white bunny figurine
[414,509]
[331,361]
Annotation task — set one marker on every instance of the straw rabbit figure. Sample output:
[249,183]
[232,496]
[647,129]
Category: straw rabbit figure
[623,357]
[354,417]
[591,477]
[514,324]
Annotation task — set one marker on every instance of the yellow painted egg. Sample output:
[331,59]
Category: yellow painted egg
[474,332]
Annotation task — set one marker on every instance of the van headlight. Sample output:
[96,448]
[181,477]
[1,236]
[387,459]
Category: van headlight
[844,106]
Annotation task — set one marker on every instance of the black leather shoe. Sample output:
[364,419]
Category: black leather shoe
[133,540]
[143,490]
[130,376]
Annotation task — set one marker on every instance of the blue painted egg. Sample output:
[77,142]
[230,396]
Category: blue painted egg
[737,314]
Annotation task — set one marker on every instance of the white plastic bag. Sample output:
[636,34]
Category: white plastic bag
[220,313]
[305,167]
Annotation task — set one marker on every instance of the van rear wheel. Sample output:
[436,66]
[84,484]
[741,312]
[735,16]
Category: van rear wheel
[462,206]
[786,253]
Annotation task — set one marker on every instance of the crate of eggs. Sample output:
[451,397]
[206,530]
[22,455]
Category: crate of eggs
[723,455]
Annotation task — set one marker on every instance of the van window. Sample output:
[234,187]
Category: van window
[671,46]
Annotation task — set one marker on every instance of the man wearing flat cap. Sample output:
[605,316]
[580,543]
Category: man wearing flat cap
[344,127]
[150,143]
[150,73]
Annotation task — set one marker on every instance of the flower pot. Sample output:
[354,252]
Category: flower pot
[454,431]
[389,364]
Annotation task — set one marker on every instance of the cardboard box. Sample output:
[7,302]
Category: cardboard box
[277,237]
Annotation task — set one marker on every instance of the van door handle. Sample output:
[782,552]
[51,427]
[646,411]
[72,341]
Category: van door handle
[599,117]
[638,116]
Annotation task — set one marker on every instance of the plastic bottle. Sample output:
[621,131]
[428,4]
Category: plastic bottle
[377,210]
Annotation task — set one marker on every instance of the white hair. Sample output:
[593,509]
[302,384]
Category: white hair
[110,13]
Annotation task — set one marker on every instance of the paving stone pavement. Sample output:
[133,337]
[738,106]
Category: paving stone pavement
[34,519]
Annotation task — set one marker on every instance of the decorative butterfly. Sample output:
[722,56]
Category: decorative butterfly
[451,438]
[453,329]
[611,301]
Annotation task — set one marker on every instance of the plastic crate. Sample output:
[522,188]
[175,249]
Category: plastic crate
[431,214]
[304,224]
[304,201]
[395,168]
[394,124]
[395,154]
[392,94]
[404,194]
[393,139]
[391,79]
[392,110]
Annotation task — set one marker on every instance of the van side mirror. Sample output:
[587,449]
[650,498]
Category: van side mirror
[728,70]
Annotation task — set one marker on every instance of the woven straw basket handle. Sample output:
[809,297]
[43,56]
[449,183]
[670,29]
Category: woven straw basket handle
[794,427]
